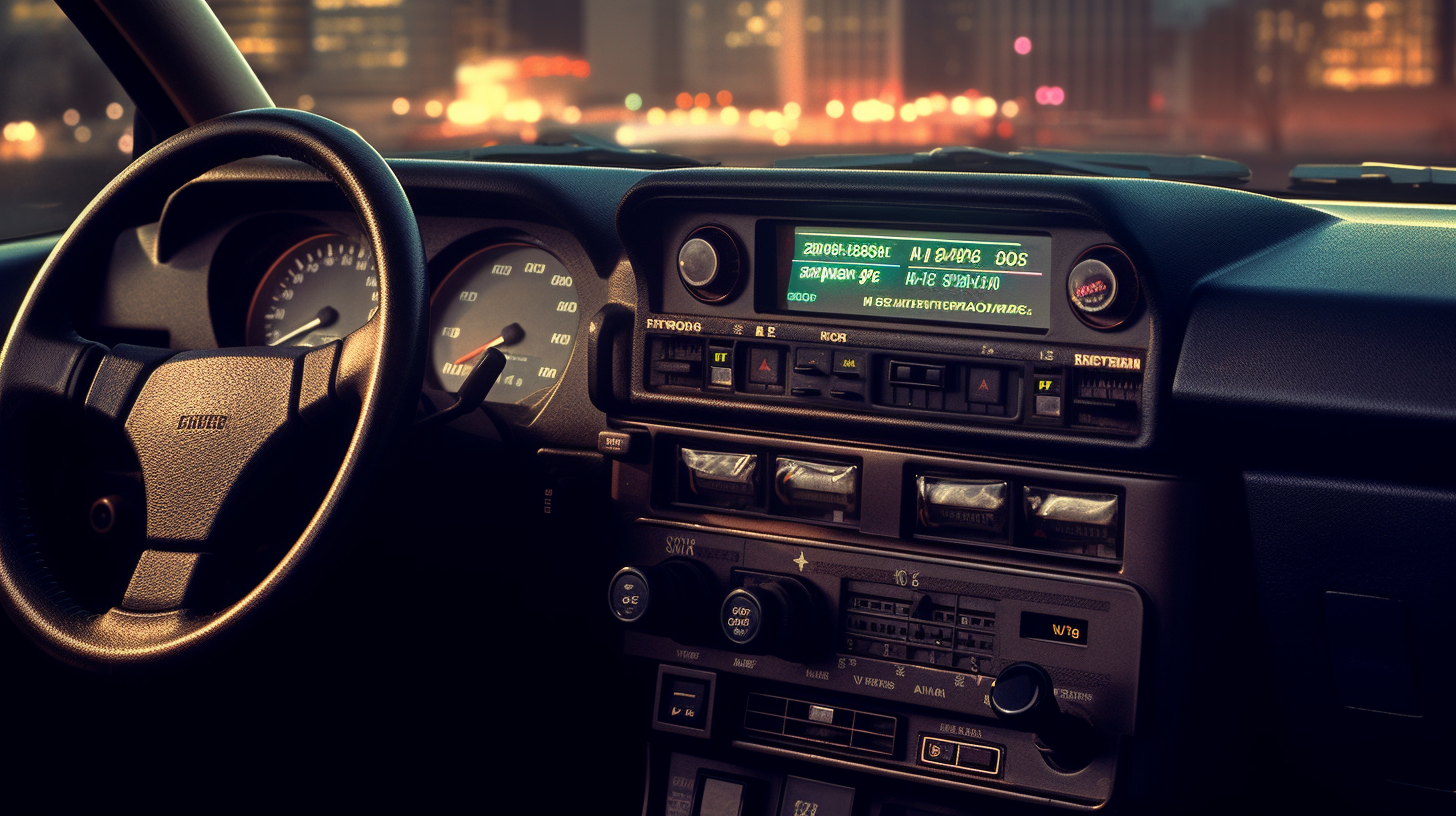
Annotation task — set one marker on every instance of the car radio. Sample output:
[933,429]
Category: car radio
[933,324]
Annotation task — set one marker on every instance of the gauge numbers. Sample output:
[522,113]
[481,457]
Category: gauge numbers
[318,291]
[514,296]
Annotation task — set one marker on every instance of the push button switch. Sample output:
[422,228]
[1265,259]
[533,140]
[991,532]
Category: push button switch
[983,386]
[810,797]
[849,364]
[766,368]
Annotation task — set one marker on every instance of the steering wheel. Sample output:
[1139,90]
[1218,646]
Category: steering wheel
[200,422]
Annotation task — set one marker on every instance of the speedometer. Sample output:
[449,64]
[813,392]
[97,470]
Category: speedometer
[514,296]
[316,292]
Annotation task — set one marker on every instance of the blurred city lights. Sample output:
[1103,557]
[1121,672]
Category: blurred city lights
[626,135]
[729,115]
[434,108]
[633,101]
[960,106]
[834,108]
[985,107]
[656,116]
[1009,109]
[702,100]
[82,134]
[1005,130]
[907,111]
[571,114]
[1022,45]
[305,102]
[698,116]
[465,112]
[792,110]
[684,100]
[725,98]
[1050,95]
[923,106]
[401,106]
[781,137]
[773,120]
[114,111]
[755,118]
[124,144]
[71,117]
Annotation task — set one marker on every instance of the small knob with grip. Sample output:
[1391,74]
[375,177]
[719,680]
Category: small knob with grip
[776,616]
[672,598]
[1022,697]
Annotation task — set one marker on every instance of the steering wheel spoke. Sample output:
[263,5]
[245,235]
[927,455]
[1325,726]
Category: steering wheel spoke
[162,581]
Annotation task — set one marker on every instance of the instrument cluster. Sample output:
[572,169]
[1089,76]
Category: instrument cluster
[505,290]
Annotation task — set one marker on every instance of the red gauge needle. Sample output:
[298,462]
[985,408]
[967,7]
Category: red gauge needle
[509,336]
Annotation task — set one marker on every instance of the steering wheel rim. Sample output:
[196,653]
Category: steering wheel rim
[378,367]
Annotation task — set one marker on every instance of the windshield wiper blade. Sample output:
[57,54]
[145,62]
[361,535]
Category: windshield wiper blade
[567,148]
[1041,161]
[1370,174]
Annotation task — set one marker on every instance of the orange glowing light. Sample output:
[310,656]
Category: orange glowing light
[725,98]
[702,100]
[684,100]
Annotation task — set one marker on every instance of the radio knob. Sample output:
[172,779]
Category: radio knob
[671,598]
[1022,697]
[1103,287]
[709,264]
[771,617]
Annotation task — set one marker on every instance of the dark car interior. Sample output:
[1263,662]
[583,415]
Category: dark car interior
[756,517]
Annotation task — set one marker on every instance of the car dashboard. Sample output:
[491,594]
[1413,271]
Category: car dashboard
[874,493]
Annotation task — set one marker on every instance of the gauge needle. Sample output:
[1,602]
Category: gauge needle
[325,317]
[509,336]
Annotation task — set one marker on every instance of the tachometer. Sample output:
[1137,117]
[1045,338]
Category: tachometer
[516,296]
[318,291]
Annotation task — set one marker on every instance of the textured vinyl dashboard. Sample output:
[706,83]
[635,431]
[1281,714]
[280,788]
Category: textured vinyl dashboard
[929,487]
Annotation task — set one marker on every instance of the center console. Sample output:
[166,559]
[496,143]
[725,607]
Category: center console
[828,555]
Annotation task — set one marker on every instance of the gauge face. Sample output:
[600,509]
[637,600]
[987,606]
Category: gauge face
[318,291]
[515,296]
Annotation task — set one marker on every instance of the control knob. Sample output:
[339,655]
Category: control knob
[773,616]
[672,598]
[1022,697]
[708,264]
[1103,287]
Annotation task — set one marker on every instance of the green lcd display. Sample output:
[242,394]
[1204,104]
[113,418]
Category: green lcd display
[945,277]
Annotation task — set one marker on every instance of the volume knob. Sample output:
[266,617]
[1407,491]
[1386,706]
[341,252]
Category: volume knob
[708,263]
[771,617]
[670,598]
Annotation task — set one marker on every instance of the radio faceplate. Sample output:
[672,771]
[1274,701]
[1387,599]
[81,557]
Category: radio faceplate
[897,656]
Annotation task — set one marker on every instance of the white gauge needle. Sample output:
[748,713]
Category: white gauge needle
[325,317]
[508,336]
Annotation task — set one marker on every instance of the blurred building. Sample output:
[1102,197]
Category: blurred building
[1098,52]
[851,50]
[274,35]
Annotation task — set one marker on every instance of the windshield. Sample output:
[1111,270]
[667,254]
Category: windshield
[1270,83]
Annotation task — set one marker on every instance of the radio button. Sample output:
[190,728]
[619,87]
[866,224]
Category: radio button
[766,366]
[983,385]
[1064,517]
[817,487]
[849,364]
[811,361]
[963,504]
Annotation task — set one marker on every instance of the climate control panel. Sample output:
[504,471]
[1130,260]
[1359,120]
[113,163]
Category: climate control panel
[982,676]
